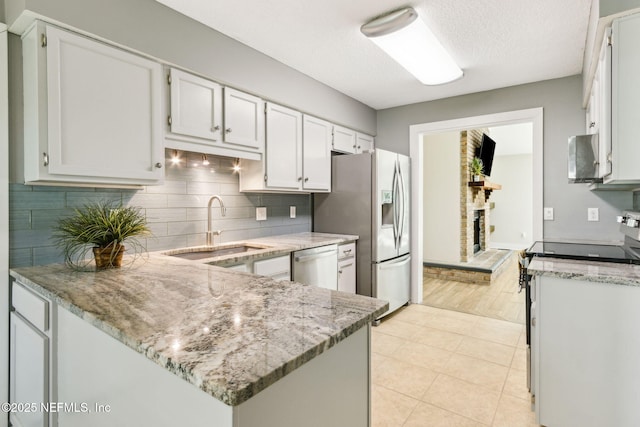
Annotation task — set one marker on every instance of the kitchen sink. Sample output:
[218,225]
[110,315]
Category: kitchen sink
[204,252]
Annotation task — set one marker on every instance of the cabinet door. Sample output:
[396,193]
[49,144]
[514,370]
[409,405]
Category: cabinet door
[604,101]
[347,275]
[196,106]
[344,140]
[316,154]
[29,370]
[364,143]
[283,155]
[103,110]
[243,119]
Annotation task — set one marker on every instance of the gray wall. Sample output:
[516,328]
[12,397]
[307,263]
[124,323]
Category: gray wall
[156,30]
[176,211]
[563,116]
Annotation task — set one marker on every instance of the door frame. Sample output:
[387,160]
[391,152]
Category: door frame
[4,221]
[416,150]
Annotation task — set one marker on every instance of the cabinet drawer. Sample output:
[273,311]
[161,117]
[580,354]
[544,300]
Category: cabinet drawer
[30,306]
[280,266]
[347,250]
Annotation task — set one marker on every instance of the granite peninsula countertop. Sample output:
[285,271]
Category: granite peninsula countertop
[594,271]
[229,333]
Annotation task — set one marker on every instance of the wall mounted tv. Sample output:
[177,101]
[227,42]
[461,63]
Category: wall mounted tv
[485,152]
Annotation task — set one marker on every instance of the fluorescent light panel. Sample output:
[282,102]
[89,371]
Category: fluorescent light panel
[413,46]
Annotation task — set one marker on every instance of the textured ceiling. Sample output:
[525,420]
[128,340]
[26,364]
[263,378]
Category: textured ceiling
[497,43]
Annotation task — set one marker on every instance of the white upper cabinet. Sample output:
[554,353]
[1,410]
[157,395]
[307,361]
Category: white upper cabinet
[243,120]
[198,122]
[196,106]
[284,148]
[316,154]
[344,140]
[92,112]
[364,143]
[297,155]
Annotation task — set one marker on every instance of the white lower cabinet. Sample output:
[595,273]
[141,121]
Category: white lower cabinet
[30,349]
[92,112]
[585,350]
[347,268]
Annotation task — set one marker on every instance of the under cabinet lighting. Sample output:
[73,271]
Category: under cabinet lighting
[236,166]
[175,158]
[407,39]
[205,161]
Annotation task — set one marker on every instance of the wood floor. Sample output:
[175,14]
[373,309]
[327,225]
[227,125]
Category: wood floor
[500,300]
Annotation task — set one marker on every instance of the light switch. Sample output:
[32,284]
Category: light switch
[261,214]
[292,211]
[548,214]
[593,214]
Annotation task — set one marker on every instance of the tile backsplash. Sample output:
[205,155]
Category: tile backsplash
[176,211]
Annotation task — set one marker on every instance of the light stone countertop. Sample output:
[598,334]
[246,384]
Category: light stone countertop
[594,271]
[229,333]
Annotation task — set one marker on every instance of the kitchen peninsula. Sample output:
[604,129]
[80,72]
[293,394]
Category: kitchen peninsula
[170,342]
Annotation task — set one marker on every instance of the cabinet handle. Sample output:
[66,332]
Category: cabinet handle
[592,124]
[159,165]
[358,147]
[45,159]
[533,321]
[228,130]
[346,252]
[216,128]
[339,271]
[299,178]
[354,146]
[306,179]
[608,157]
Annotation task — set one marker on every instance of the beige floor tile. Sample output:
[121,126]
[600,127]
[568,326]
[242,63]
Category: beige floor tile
[477,371]
[522,341]
[520,359]
[390,408]
[432,416]
[423,355]
[499,331]
[414,314]
[384,344]
[463,398]
[486,350]
[438,338]
[514,412]
[516,384]
[397,328]
[402,377]
[456,324]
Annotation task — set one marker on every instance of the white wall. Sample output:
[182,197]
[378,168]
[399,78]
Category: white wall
[513,212]
[441,171]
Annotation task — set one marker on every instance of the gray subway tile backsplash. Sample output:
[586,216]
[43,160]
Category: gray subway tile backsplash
[176,211]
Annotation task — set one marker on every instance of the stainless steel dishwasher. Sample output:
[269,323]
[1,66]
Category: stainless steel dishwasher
[317,266]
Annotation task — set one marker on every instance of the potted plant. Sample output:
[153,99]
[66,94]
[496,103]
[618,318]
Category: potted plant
[101,227]
[477,168]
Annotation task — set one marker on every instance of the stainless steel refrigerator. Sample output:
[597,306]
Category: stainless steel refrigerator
[370,197]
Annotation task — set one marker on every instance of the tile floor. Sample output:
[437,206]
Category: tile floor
[434,367]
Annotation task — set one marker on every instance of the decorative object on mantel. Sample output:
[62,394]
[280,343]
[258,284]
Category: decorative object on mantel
[101,227]
[487,186]
[477,169]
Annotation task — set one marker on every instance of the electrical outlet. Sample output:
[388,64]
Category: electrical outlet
[261,214]
[593,214]
[292,211]
[548,214]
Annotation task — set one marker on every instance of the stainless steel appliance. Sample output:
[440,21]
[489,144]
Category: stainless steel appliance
[370,197]
[628,253]
[317,266]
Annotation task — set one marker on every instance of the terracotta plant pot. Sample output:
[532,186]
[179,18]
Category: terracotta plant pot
[108,257]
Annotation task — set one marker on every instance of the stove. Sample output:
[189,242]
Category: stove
[629,253]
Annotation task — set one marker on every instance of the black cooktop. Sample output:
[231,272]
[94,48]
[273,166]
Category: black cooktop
[626,254]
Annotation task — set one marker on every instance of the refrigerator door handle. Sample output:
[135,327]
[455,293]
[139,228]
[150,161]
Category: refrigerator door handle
[402,216]
[396,263]
[395,205]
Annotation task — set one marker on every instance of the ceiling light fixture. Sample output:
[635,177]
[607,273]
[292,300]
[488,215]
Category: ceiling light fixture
[407,39]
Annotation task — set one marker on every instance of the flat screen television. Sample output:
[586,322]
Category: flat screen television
[485,152]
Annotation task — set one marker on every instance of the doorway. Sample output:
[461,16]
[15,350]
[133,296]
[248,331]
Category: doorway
[417,132]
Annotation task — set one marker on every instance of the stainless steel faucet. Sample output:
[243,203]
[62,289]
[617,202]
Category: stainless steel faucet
[223,211]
